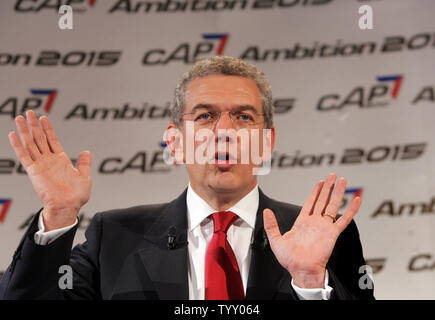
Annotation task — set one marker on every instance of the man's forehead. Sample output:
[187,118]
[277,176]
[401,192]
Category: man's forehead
[218,89]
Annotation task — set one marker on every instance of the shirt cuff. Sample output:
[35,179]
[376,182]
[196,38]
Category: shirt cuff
[316,293]
[44,238]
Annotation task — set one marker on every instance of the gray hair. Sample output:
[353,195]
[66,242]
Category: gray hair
[230,66]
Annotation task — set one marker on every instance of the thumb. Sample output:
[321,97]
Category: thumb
[270,225]
[84,163]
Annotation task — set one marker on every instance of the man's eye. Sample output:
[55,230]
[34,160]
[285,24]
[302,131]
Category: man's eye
[245,117]
[204,116]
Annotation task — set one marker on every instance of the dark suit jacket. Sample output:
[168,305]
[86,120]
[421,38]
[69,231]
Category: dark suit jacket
[126,256]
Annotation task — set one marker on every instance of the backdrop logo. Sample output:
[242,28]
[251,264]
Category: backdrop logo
[422,262]
[397,82]
[350,156]
[426,95]
[11,166]
[34,6]
[391,208]
[50,58]
[4,206]
[350,194]
[340,48]
[188,52]
[141,162]
[378,95]
[14,106]
[51,93]
[223,37]
[377,264]
[126,111]
[181,6]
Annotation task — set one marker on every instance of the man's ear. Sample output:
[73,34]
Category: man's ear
[173,137]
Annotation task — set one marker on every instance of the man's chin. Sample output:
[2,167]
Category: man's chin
[224,180]
[226,175]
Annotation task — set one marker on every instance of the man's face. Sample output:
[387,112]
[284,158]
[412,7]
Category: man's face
[217,94]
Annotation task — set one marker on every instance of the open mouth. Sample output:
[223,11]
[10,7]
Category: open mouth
[224,160]
[224,156]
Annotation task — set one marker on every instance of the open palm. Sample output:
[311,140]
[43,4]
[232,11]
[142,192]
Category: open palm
[62,188]
[305,250]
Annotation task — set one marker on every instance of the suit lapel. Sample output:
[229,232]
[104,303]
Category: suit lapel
[266,276]
[168,267]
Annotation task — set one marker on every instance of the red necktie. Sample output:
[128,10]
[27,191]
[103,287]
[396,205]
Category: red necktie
[222,275]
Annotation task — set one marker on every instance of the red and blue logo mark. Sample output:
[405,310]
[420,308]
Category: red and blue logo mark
[357,192]
[397,83]
[223,37]
[4,206]
[51,93]
[350,194]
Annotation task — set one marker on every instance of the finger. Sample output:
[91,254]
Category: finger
[325,194]
[27,138]
[22,154]
[270,225]
[38,135]
[307,209]
[84,162]
[347,217]
[53,142]
[334,204]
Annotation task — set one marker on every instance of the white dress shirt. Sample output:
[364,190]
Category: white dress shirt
[200,232]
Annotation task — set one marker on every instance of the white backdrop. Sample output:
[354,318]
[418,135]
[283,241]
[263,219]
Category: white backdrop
[334,85]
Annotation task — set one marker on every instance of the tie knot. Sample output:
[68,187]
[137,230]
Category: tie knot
[222,220]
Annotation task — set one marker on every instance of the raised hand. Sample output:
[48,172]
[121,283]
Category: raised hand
[62,188]
[305,250]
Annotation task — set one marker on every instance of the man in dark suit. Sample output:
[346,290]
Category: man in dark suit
[222,238]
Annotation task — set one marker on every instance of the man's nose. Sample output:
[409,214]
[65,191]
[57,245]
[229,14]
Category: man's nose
[223,123]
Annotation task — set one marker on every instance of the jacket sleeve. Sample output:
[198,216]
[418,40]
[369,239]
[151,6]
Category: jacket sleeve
[346,272]
[35,273]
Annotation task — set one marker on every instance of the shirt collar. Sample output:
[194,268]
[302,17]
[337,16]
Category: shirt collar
[198,209]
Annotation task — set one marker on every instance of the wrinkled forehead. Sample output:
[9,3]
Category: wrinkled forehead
[222,92]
